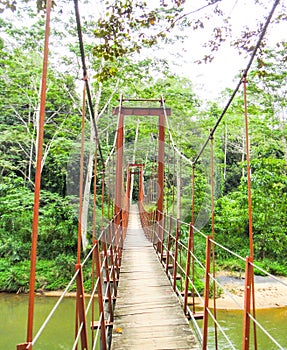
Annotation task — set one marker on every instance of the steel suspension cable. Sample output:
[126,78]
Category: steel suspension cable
[81,176]
[85,77]
[116,133]
[94,237]
[170,135]
[245,72]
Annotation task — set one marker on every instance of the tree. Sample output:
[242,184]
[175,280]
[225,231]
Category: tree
[20,79]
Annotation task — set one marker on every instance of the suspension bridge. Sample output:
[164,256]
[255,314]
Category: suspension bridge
[143,268]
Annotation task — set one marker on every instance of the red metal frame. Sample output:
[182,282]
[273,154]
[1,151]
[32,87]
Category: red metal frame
[140,111]
[119,168]
[39,152]
[175,254]
[206,292]
[249,285]
[247,304]
[81,307]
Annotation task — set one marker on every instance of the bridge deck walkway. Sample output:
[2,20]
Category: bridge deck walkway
[147,312]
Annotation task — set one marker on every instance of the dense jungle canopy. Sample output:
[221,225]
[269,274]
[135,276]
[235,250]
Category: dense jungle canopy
[123,43]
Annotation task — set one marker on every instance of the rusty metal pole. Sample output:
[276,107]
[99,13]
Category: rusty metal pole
[80,299]
[112,261]
[119,168]
[192,243]
[103,198]
[250,272]
[35,225]
[100,298]
[212,235]
[248,170]
[187,269]
[160,179]
[94,234]
[141,189]
[168,244]
[128,186]
[164,221]
[176,254]
[108,279]
[247,304]
[206,293]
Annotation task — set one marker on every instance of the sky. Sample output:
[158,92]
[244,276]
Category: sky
[210,79]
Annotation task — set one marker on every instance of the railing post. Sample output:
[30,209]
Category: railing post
[160,178]
[159,219]
[206,293]
[102,324]
[119,164]
[247,303]
[154,227]
[112,260]
[37,188]
[108,280]
[187,270]
[162,245]
[117,252]
[24,346]
[81,306]
[175,254]
[168,246]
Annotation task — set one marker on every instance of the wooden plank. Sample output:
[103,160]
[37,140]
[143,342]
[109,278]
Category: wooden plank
[147,313]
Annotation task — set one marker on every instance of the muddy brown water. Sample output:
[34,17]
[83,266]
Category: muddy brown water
[59,334]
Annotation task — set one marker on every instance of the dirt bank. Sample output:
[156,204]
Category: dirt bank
[269,293]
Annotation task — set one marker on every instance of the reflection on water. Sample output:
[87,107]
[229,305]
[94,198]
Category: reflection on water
[274,320]
[59,334]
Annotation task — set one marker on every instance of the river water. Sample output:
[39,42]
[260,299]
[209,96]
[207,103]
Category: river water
[59,334]
[274,320]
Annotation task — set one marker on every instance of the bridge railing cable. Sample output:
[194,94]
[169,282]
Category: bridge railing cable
[174,265]
[108,159]
[112,257]
[170,135]
[244,75]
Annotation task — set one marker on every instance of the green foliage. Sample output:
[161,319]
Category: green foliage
[14,278]
[58,226]
[270,198]
[51,275]
[116,69]
[127,27]
[232,264]
[271,266]
[13,4]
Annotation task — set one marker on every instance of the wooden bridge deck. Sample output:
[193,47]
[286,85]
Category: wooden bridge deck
[147,313]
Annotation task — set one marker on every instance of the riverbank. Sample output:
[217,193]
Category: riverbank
[269,293]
